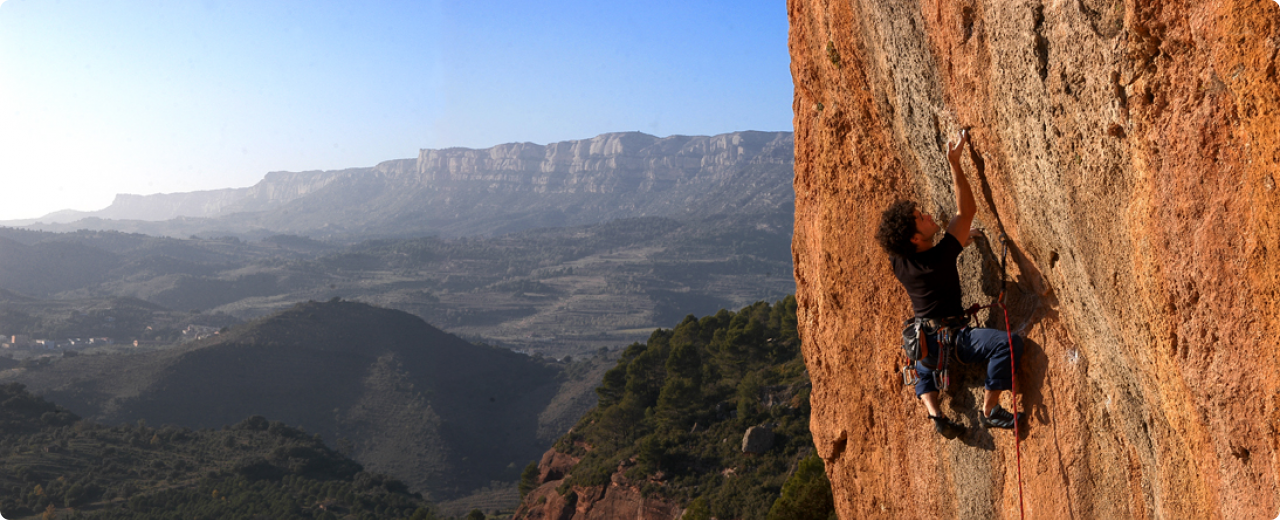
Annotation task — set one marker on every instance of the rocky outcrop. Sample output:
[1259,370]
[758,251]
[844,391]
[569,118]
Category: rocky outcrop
[758,439]
[1130,152]
[609,163]
[621,498]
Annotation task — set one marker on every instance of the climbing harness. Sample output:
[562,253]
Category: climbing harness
[946,336]
[915,344]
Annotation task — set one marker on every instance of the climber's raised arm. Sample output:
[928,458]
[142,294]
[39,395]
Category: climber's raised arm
[966,208]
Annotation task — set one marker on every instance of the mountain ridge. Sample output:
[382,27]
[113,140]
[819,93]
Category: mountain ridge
[463,191]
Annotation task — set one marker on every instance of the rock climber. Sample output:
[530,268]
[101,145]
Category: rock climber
[928,272]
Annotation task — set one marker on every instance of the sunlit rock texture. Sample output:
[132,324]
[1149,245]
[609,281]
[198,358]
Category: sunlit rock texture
[1130,151]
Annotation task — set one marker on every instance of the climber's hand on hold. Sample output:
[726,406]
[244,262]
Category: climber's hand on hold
[954,148]
[976,233]
[966,209]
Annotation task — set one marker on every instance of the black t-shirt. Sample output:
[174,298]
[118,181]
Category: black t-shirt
[932,280]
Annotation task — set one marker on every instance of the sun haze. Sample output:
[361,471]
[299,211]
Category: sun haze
[100,98]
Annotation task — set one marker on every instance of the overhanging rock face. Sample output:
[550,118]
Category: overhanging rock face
[1130,151]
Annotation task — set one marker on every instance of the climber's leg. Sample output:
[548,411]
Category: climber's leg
[990,346]
[931,403]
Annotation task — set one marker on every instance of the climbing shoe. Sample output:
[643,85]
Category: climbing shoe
[999,418]
[946,427]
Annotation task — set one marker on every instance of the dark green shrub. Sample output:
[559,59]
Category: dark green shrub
[528,479]
[806,495]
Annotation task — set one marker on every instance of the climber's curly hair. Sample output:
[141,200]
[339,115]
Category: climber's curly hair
[897,227]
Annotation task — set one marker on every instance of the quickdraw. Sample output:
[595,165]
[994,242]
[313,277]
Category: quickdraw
[946,342]
[909,374]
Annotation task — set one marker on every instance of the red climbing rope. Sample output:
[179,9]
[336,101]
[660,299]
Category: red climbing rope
[1013,371]
[1017,434]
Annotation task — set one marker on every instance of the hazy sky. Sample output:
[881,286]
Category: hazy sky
[106,97]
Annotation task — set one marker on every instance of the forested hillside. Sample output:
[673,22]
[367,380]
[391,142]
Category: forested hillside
[53,464]
[668,434]
[441,414]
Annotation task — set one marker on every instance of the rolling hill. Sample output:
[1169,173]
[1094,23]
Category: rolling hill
[399,395]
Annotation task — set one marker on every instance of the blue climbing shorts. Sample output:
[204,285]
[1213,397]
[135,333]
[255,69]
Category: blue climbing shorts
[990,346]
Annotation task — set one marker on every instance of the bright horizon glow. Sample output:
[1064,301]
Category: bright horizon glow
[102,98]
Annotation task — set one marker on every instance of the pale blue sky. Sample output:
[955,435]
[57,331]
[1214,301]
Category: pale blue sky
[106,97]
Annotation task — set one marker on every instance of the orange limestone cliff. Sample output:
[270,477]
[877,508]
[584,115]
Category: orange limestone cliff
[1130,152]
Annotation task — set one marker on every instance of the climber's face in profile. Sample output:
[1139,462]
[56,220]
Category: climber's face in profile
[926,228]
